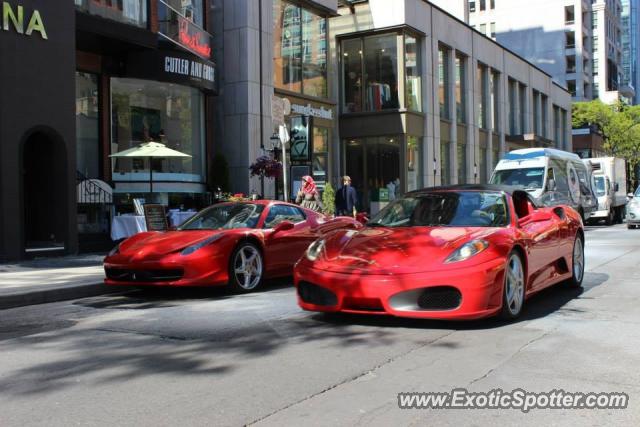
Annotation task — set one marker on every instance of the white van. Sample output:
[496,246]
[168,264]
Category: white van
[610,187]
[552,176]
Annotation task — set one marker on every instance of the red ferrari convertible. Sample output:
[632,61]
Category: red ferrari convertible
[238,244]
[459,252]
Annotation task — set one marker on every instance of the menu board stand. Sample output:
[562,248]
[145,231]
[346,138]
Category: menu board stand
[155,218]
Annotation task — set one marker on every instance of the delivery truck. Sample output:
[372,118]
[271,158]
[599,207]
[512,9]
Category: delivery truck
[610,185]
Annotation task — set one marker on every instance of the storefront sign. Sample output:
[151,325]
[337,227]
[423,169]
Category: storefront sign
[194,38]
[173,67]
[308,110]
[300,143]
[155,217]
[14,19]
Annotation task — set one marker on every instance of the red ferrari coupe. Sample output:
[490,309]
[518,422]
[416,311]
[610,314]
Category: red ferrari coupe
[238,244]
[459,252]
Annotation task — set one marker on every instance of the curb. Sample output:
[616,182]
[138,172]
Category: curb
[21,299]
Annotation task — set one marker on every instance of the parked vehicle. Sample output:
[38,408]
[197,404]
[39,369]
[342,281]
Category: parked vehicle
[610,185]
[459,252]
[236,244]
[633,210]
[553,177]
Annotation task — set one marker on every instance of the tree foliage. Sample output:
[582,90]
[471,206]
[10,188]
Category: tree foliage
[619,124]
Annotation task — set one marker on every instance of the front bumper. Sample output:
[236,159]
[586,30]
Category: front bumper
[480,288]
[633,216]
[600,214]
[171,270]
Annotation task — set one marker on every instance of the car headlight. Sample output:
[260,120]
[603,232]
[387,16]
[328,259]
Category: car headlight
[315,249]
[115,250]
[468,250]
[191,249]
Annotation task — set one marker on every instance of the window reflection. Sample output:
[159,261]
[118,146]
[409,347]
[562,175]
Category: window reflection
[132,12]
[414,163]
[299,49]
[87,127]
[413,79]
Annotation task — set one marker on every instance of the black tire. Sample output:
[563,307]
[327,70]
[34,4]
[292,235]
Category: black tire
[581,212]
[513,288]
[577,275]
[631,226]
[610,218]
[246,268]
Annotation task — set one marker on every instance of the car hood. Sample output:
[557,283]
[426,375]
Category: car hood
[155,244]
[403,250]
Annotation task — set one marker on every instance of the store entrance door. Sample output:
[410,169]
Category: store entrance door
[374,167]
[44,194]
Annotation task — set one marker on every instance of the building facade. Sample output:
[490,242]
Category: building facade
[399,95]
[631,46]
[88,79]
[579,43]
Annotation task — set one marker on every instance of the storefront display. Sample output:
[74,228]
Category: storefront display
[144,110]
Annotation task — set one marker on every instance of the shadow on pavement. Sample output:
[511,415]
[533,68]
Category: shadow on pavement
[141,298]
[193,341]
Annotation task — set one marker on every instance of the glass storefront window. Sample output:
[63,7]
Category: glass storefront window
[414,163]
[87,125]
[443,82]
[445,153]
[144,110]
[461,75]
[483,107]
[299,49]
[381,69]
[482,166]
[320,154]
[314,54]
[412,70]
[352,75]
[462,154]
[132,12]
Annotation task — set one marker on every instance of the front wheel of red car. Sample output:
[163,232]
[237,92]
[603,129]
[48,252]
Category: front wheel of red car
[577,263]
[513,289]
[245,268]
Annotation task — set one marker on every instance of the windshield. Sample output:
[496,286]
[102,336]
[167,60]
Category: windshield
[456,209]
[530,178]
[226,216]
[600,186]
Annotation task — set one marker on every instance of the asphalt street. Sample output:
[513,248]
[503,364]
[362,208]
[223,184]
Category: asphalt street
[210,358]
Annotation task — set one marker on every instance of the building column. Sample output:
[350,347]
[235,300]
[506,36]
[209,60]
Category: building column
[453,116]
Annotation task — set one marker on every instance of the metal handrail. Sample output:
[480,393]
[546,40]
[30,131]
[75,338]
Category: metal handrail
[91,192]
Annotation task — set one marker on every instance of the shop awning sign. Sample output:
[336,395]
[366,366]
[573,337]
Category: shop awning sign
[173,67]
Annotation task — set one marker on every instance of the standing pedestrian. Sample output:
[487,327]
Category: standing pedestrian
[308,196]
[346,198]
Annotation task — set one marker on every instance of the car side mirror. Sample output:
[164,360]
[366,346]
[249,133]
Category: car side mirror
[283,226]
[630,195]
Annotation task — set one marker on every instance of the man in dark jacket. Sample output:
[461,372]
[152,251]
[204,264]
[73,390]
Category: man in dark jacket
[346,198]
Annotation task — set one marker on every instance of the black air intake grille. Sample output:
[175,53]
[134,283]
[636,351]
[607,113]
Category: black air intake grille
[126,275]
[317,295]
[440,298]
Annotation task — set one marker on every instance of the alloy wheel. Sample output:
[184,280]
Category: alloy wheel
[247,267]
[514,285]
[578,260]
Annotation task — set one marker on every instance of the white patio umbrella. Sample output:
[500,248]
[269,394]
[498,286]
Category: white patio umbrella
[151,150]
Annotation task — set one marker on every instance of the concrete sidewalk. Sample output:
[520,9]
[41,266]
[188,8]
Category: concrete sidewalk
[51,279]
